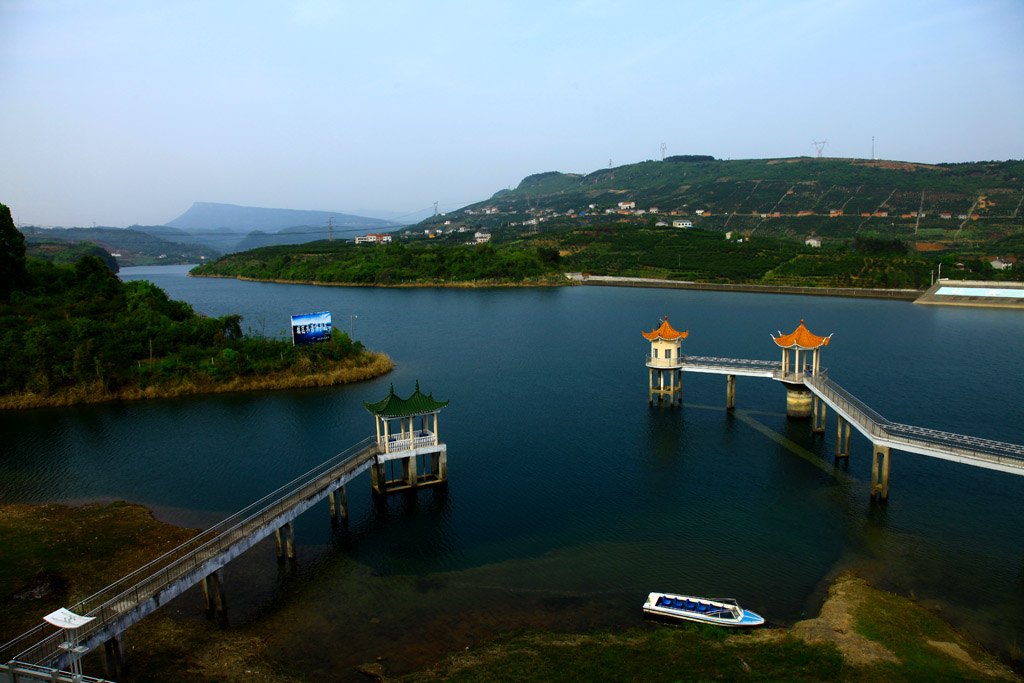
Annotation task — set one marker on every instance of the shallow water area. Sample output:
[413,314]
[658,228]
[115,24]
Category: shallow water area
[570,498]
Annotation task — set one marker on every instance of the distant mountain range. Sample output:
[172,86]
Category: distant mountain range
[228,228]
[208,216]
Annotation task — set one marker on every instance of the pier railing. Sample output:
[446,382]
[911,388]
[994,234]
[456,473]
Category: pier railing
[932,442]
[36,647]
[908,437]
[422,438]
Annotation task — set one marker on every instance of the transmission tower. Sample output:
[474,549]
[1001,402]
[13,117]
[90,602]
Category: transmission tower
[819,145]
[435,208]
[663,148]
[330,229]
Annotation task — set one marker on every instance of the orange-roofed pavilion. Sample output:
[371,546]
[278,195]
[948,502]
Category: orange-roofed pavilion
[665,362]
[801,339]
[665,332]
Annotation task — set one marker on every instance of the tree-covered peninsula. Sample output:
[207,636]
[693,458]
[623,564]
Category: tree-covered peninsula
[626,249]
[77,334]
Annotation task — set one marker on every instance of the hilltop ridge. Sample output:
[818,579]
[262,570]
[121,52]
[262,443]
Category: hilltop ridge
[786,197]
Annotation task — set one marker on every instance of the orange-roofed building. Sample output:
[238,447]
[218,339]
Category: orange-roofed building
[801,339]
[665,331]
[665,358]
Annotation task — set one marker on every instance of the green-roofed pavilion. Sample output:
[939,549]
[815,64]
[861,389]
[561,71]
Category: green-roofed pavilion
[409,443]
[392,406]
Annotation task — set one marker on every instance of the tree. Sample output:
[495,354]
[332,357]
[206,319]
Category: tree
[12,253]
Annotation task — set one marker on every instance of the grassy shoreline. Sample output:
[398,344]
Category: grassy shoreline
[369,365]
[54,558]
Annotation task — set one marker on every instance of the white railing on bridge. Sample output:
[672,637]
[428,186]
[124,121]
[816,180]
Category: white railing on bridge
[395,444]
[42,645]
[912,437]
[32,673]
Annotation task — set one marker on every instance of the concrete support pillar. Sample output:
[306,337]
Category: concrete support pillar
[339,505]
[409,473]
[798,401]
[213,592]
[115,661]
[730,392]
[818,410]
[377,477]
[842,440]
[650,386]
[341,496]
[285,537]
[880,472]
[439,463]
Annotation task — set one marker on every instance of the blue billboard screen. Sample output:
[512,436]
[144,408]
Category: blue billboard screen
[311,328]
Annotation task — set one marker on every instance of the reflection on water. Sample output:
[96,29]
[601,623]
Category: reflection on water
[570,498]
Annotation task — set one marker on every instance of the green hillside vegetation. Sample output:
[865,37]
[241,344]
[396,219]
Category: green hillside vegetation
[618,249]
[368,264]
[136,248]
[69,253]
[961,206]
[71,334]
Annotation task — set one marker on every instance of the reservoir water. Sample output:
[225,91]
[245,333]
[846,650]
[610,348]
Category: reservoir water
[569,496]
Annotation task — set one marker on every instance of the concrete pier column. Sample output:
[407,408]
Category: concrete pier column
[798,401]
[213,592]
[332,503]
[285,537]
[342,498]
[439,463]
[377,477]
[730,392]
[880,472]
[115,660]
[842,441]
[409,474]
[818,415]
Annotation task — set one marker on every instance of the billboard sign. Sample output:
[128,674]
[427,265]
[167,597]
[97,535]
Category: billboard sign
[311,328]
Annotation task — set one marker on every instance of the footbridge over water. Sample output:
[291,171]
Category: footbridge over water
[810,390]
[41,654]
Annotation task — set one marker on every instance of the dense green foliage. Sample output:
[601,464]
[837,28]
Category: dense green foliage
[77,326]
[386,264]
[69,253]
[136,248]
[12,253]
[619,249]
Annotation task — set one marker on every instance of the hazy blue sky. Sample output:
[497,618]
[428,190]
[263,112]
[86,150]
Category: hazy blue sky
[127,112]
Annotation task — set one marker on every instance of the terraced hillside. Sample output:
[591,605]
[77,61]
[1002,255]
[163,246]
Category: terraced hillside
[941,206]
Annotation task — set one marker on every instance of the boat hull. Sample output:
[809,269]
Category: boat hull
[701,610]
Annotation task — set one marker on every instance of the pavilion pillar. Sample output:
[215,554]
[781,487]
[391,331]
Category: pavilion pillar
[842,441]
[880,472]
[730,392]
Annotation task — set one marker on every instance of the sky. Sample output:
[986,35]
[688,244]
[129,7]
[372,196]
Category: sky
[126,112]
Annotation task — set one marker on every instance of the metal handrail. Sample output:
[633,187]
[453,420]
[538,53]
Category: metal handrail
[130,590]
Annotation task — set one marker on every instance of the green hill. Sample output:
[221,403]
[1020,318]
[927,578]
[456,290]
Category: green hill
[953,205]
[130,246]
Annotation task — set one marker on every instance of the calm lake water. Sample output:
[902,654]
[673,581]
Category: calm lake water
[570,497]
